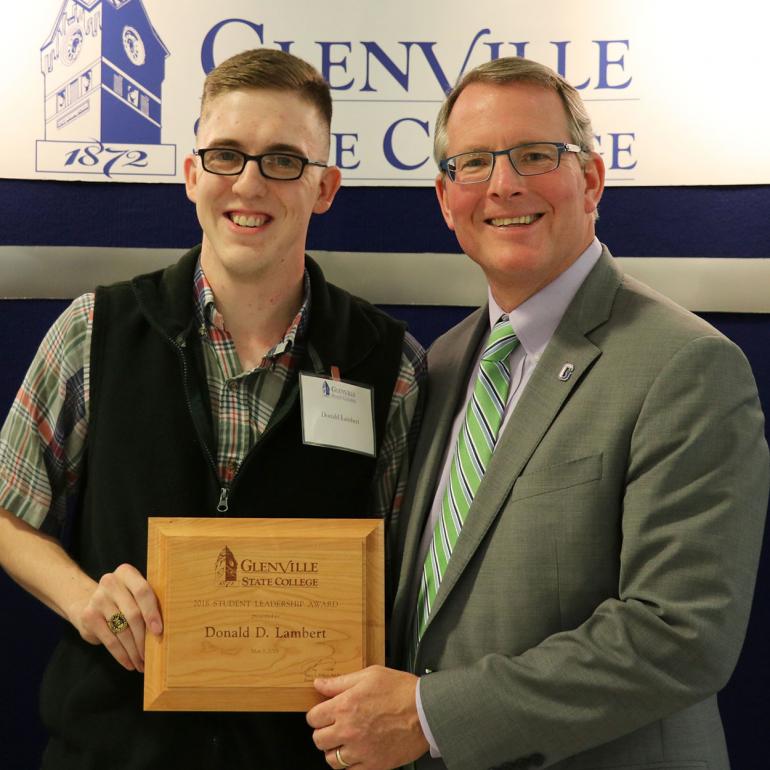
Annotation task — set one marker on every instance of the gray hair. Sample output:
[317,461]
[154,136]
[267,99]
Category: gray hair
[514,69]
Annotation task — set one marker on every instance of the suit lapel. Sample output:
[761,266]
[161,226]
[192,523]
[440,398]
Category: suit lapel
[448,363]
[538,407]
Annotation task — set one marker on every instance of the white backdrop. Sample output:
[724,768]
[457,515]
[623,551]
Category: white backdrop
[675,88]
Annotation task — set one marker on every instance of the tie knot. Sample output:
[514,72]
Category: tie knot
[501,342]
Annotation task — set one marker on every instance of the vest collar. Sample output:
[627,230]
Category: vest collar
[340,334]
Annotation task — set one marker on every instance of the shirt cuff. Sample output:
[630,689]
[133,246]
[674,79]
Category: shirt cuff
[434,749]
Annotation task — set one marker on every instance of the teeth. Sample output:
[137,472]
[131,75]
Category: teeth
[249,221]
[505,221]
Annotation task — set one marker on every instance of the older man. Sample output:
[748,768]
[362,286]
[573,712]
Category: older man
[589,490]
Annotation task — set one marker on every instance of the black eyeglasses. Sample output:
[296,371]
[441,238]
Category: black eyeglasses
[272,165]
[527,160]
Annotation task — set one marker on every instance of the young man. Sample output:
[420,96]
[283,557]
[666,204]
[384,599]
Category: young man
[176,394]
[582,539]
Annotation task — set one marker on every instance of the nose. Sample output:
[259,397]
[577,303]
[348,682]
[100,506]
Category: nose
[250,181]
[505,181]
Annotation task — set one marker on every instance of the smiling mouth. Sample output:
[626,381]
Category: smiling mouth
[247,221]
[513,221]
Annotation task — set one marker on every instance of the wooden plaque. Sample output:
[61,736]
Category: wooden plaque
[255,609]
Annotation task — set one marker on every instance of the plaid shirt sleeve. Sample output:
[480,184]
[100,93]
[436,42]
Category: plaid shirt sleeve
[43,440]
[401,430]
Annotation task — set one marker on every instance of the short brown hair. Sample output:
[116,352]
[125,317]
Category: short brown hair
[512,69]
[269,69]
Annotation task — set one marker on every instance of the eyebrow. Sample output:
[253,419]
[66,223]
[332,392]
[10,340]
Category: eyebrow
[280,147]
[474,148]
[275,147]
[512,147]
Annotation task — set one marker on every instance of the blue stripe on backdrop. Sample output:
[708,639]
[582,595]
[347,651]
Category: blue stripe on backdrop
[635,221]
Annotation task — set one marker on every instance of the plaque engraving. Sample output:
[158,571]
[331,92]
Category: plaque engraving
[255,609]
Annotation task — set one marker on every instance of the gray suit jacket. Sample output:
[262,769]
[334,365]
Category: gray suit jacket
[598,594]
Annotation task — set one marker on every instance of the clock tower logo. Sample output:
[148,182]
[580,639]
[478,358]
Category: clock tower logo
[103,66]
[226,568]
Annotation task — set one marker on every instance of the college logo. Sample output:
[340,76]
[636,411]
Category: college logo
[226,568]
[103,66]
[325,389]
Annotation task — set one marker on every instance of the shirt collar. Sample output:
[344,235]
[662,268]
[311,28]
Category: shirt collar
[208,316]
[536,319]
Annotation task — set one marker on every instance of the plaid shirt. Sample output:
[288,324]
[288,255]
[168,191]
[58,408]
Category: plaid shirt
[43,441]
[243,402]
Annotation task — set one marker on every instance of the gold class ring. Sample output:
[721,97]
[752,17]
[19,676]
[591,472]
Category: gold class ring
[117,623]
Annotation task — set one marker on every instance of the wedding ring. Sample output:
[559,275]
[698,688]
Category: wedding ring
[342,762]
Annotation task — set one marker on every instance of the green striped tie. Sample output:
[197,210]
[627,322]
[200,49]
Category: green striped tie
[473,450]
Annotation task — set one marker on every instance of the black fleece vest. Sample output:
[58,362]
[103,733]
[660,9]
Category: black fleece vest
[151,453]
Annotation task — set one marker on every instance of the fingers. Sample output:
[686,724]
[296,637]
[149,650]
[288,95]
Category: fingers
[121,645]
[326,739]
[374,722]
[143,595]
[320,716]
[133,637]
[126,592]
[337,684]
[325,714]
[338,760]
[334,726]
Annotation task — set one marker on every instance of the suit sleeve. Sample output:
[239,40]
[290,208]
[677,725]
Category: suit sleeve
[692,517]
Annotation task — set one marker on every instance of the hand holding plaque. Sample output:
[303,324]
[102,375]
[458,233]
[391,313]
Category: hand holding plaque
[255,609]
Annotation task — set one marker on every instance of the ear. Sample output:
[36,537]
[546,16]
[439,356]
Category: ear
[327,189]
[593,173]
[191,173]
[441,194]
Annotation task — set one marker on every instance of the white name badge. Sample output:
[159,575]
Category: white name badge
[337,414]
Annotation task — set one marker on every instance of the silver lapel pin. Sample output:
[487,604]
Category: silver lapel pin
[566,372]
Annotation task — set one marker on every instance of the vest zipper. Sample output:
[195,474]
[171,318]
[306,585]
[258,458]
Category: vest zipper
[181,344]
[223,504]
[278,414]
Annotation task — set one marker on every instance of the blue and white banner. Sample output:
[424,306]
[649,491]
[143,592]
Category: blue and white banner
[109,89]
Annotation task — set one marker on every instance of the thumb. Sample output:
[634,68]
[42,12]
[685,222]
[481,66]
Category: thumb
[334,685]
